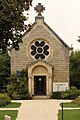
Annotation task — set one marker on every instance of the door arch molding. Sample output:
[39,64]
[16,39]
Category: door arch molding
[40,68]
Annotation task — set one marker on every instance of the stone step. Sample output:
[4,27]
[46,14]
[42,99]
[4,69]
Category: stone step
[39,97]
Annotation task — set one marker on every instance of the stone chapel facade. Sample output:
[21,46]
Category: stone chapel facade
[46,57]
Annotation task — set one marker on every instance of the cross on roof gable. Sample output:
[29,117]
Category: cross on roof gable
[39,8]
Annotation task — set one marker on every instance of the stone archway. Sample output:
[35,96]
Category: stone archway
[40,79]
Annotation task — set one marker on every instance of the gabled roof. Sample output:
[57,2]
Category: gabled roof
[51,31]
[58,37]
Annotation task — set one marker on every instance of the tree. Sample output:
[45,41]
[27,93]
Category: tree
[75,69]
[78,39]
[12,22]
[4,70]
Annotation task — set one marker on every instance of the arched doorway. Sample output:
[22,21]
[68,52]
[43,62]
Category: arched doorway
[40,79]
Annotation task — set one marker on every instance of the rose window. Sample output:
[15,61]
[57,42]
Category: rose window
[39,50]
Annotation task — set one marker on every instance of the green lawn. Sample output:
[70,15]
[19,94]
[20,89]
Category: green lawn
[11,113]
[70,115]
[12,105]
[70,104]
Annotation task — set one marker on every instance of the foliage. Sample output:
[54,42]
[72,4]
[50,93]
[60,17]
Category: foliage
[4,70]
[2,102]
[11,113]
[56,95]
[18,86]
[12,22]
[76,101]
[75,69]
[69,94]
[69,115]
[4,99]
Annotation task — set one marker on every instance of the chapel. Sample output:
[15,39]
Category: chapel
[46,57]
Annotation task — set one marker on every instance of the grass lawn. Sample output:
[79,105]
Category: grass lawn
[12,105]
[11,113]
[70,115]
[70,104]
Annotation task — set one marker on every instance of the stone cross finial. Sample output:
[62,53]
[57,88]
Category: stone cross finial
[39,8]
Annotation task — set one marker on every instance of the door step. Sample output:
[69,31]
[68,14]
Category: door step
[39,97]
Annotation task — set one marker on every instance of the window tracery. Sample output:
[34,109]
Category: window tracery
[39,50]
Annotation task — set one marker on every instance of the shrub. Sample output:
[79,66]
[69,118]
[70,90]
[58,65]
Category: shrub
[4,99]
[69,94]
[65,95]
[17,96]
[18,86]
[73,93]
[28,96]
[2,102]
[56,95]
[76,100]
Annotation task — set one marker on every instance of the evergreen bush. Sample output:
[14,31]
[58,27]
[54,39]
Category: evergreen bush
[18,86]
[56,95]
[76,100]
[2,102]
[72,93]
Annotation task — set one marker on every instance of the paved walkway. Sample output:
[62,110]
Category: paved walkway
[39,109]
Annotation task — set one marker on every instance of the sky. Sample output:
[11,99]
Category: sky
[63,16]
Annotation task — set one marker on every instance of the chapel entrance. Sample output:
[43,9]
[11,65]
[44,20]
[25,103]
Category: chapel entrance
[40,85]
[40,79]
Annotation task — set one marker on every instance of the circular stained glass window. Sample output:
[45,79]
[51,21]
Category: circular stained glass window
[39,50]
